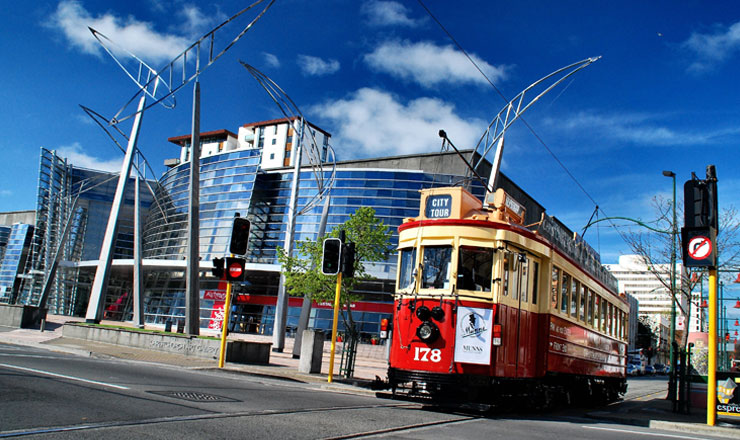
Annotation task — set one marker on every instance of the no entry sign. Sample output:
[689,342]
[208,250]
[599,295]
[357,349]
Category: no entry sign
[699,247]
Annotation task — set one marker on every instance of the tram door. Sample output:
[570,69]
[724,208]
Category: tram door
[518,321]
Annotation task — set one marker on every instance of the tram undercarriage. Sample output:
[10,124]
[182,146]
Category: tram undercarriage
[528,394]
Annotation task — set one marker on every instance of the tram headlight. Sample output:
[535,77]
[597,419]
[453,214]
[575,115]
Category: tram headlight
[423,313]
[427,332]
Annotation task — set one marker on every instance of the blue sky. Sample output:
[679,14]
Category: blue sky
[383,78]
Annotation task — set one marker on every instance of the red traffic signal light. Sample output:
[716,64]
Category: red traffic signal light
[235,269]
[239,236]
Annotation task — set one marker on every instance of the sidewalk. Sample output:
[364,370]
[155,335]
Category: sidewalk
[649,411]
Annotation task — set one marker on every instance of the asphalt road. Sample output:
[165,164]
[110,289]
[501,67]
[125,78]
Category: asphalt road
[50,395]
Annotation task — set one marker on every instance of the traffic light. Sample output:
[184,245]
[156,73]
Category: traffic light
[239,236]
[348,260]
[235,269]
[332,256]
[218,268]
[700,201]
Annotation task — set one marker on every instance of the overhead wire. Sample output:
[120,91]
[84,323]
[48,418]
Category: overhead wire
[531,129]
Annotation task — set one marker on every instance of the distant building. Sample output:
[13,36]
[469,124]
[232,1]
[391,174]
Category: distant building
[653,296]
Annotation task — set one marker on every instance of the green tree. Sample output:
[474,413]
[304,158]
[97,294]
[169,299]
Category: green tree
[303,270]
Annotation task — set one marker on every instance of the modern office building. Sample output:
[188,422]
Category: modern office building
[654,297]
[249,172]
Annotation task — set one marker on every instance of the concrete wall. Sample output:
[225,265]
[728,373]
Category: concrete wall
[236,351]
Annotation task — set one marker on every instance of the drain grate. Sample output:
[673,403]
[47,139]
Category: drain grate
[194,396]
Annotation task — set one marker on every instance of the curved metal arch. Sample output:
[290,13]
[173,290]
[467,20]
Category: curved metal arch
[97,118]
[145,74]
[494,133]
[181,62]
[290,110]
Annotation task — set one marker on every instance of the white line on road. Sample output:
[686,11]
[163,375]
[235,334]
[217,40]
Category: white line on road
[48,373]
[644,433]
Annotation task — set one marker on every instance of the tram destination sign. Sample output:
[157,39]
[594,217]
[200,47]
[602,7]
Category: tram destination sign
[438,206]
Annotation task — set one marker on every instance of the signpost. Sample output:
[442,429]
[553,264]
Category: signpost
[699,239]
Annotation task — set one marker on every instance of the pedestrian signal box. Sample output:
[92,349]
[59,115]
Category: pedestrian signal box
[332,256]
[218,268]
[348,260]
[239,236]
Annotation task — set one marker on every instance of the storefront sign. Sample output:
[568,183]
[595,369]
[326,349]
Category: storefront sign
[473,335]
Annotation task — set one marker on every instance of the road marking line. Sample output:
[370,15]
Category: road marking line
[48,373]
[643,433]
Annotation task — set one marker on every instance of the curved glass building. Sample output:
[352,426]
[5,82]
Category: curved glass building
[251,173]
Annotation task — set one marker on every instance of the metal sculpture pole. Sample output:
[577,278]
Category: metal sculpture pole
[149,80]
[192,282]
[97,297]
[138,317]
[307,300]
[281,310]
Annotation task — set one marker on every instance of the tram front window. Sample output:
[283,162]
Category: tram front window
[475,268]
[436,267]
[406,271]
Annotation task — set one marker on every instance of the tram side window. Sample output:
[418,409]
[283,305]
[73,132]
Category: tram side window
[603,315]
[597,307]
[406,271]
[535,282]
[565,289]
[590,308]
[524,265]
[475,268]
[582,308]
[436,267]
[513,275]
[574,288]
[555,282]
[610,320]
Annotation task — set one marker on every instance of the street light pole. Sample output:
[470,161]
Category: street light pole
[672,379]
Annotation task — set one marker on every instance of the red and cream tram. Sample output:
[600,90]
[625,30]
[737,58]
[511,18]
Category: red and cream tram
[487,309]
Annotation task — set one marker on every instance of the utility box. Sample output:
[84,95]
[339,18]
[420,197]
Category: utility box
[312,351]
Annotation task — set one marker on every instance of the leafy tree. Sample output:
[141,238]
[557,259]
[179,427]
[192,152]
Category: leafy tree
[655,250]
[303,270]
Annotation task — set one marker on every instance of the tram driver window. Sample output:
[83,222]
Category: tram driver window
[436,267]
[475,268]
[406,271]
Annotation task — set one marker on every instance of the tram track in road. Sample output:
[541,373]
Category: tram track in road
[214,416]
[406,428]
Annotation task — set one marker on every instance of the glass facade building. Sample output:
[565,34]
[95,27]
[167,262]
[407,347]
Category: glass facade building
[233,179]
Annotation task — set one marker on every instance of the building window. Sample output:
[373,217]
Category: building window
[272,156]
[274,141]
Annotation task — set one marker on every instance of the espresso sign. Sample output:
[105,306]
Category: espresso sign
[438,206]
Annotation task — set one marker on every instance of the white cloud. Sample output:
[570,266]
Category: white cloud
[135,36]
[6,193]
[641,129]
[388,13]
[271,60]
[77,157]
[712,49]
[195,23]
[314,66]
[430,64]
[371,123]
